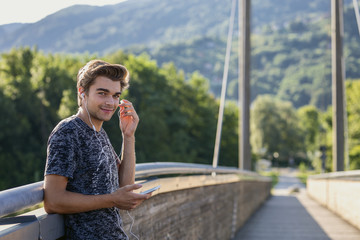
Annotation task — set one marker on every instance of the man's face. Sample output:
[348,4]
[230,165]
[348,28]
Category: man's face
[103,98]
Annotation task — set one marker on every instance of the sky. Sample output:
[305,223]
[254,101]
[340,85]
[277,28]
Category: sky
[29,11]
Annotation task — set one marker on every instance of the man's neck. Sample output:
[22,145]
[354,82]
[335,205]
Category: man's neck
[85,116]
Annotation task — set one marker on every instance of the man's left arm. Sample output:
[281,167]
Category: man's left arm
[128,123]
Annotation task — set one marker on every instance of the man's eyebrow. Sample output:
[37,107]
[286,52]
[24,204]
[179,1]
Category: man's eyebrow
[107,90]
[103,89]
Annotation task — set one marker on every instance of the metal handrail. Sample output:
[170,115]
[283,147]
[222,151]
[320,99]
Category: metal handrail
[15,199]
[166,168]
[340,174]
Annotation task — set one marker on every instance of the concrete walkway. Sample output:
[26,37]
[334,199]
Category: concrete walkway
[291,214]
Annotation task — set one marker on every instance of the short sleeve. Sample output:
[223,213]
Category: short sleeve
[60,153]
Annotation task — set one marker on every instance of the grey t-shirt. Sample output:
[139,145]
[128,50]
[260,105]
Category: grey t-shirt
[89,161]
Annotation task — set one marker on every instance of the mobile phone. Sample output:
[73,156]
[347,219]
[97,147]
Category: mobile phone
[150,190]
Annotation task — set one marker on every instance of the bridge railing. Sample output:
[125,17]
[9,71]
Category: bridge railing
[223,192]
[339,192]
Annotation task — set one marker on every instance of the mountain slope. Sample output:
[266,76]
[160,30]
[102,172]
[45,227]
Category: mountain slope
[83,28]
[102,29]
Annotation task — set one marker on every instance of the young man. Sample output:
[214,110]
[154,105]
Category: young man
[84,177]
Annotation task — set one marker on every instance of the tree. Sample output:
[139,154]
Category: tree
[32,87]
[275,133]
[353,111]
[25,132]
[309,123]
[229,148]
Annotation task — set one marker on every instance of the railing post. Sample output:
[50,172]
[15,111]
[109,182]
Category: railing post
[338,76]
[244,85]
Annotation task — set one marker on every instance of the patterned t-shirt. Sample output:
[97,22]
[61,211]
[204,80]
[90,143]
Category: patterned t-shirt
[89,161]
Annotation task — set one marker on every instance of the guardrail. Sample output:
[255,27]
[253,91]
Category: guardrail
[19,198]
[339,192]
[172,177]
[16,199]
[165,168]
[355,174]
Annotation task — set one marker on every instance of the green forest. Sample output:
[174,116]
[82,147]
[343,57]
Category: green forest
[177,116]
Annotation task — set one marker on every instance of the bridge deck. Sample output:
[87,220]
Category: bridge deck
[290,214]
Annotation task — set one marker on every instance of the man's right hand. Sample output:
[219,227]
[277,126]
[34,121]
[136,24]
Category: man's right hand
[124,198]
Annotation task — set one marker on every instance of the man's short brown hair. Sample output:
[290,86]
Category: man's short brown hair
[87,75]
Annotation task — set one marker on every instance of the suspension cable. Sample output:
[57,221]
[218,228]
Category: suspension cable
[224,86]
[357,14]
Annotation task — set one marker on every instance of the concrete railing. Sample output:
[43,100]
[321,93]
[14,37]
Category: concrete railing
[339,192]
[194,202]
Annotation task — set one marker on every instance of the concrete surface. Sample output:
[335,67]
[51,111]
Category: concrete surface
[291,214]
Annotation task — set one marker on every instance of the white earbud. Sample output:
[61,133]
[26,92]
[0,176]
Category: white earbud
[83,95]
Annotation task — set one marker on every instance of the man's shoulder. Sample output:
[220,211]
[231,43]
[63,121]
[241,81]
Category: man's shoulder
[65,128]
[71,128]
[66,124]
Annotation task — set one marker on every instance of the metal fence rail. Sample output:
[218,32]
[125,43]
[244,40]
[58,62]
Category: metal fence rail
[16,199]
[166,168]
[348,175]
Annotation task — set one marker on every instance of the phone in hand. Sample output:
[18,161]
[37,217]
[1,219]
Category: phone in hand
[150,190]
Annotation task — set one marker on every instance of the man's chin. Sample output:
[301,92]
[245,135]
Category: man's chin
[107,118]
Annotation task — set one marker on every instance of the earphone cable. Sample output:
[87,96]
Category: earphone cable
[132,223]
